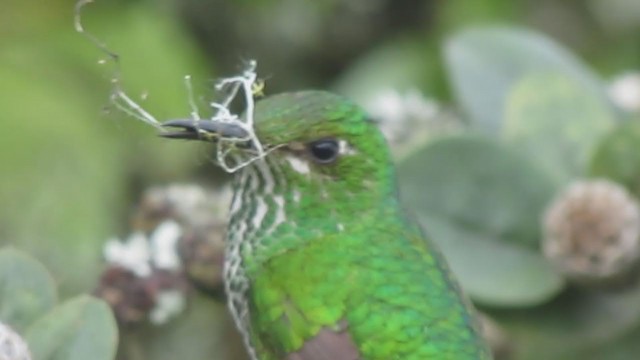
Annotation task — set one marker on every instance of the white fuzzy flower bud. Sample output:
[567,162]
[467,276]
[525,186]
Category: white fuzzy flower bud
[592,231]
[12,347]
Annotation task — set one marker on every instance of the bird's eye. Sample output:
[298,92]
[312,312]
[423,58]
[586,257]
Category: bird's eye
[324,151]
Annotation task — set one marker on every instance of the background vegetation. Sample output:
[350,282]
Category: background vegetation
[522,88]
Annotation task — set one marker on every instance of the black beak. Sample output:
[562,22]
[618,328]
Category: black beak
[205,130]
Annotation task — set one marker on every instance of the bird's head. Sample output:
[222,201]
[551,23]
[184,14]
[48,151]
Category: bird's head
[323,168]
[311,136]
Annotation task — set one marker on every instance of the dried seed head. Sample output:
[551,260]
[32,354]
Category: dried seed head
[592,231]
[12,347]
[158,297]
[179,232]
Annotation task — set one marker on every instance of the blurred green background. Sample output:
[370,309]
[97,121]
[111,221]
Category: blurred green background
[72,168]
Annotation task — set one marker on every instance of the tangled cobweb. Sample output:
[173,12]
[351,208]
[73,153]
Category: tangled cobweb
[245,85]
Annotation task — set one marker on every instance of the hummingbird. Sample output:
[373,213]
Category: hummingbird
[321,261]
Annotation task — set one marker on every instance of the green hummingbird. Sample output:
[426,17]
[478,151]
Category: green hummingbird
[322,263]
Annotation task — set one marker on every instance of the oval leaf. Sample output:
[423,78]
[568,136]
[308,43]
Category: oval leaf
[482,204]
[79,329]
[27,290]
[485,63]
[551,118]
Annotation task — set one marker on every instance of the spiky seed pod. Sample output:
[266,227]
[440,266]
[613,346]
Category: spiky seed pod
[592,232]
[12,347]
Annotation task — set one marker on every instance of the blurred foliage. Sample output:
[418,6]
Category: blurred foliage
[69,169]
[79,328]
[528,78]
[556,122]
[494,253]
[32,289]
[486,64]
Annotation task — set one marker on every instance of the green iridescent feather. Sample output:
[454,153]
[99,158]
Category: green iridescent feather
[396,298]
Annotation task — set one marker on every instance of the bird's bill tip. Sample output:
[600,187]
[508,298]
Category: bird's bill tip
[204,130]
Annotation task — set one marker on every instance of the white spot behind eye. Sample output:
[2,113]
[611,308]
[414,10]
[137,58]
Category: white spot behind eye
[298,165]
[345,149]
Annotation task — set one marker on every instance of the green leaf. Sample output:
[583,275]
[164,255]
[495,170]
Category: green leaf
[27,290]
[556,122]
[617,157]
[79,329]
[485,63]
[482,205]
